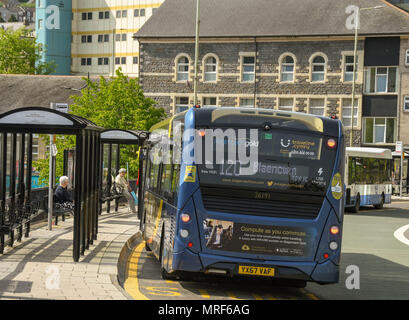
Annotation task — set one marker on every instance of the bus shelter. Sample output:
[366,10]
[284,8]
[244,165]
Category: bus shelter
[111,141]
[17,128]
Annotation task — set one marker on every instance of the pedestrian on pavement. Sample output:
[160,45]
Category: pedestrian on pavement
[62,195]
[120,181]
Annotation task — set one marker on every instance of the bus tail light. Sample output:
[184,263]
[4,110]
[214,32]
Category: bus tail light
[326,255]
[185,217]
[331,143]
[334,230]
[190,244]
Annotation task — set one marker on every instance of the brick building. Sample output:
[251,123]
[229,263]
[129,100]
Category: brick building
[283,55]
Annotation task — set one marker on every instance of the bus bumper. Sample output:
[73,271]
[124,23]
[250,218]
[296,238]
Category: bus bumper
[322,273]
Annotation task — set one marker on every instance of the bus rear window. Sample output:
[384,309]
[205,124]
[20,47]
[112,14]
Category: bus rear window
[286,160]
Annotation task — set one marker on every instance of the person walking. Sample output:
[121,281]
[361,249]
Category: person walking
[120,181]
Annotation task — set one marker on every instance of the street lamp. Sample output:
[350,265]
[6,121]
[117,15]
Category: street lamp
[357,19]
[195,83]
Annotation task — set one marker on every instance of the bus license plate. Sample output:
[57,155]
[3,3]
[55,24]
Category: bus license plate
[256,271]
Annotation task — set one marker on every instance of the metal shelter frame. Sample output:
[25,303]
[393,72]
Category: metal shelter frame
[16,209]
[117,137]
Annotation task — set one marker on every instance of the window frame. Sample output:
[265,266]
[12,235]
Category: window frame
[178,72]
[357,107]
[215,64]
[283,64]
[279,104]
[368,80]
[313,64]
[375,126]
[243,65]
[405,99]
[242,105]
[346,64]
[180,105]
[323,107]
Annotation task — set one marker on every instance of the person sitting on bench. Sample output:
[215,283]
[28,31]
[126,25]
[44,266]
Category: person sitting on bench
[62,195]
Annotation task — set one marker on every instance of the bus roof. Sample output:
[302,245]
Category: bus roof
[363,152]
[238,115]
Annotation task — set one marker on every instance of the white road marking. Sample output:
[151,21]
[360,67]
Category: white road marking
[399,234]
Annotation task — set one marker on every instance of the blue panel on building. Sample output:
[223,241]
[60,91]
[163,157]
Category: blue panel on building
[53,29]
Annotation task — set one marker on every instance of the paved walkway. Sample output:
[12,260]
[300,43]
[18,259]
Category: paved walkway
[41,267]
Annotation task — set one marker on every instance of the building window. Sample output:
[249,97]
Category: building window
[181,104]
[247,102]
[135,60]
[317,107]
[379,130]
[83,39]
[287,69]
[103,61]
[139,13]
[118,14]
[318,69]
[154,10]
[89,39]
[210,69]
[248,69]
[182,69]
[349,68]
[107,14]
[407,57]
[84,16]
[86,61]
[117,37]
[101,15]
[347,112]
[100,38]
[381,79]
[123,60]
[124,13]
[106,37]
[117,60]
[406,103]
[286,104]
[89,15]
[124,37]
[209,101]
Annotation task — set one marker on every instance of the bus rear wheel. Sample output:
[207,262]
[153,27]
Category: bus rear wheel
[380,205]
[355,209]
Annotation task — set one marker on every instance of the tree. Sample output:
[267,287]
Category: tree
[12,18]
[20,54]
[118,103]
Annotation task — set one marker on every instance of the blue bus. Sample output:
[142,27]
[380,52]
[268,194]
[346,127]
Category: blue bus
[278,216]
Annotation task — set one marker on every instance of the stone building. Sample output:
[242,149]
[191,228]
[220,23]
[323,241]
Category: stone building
[282,55]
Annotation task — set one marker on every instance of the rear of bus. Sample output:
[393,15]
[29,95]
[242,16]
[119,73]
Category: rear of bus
[284,220]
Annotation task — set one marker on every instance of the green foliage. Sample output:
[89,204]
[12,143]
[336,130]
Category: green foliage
[12,18]
[42,165]
[20,54]
[118,103]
